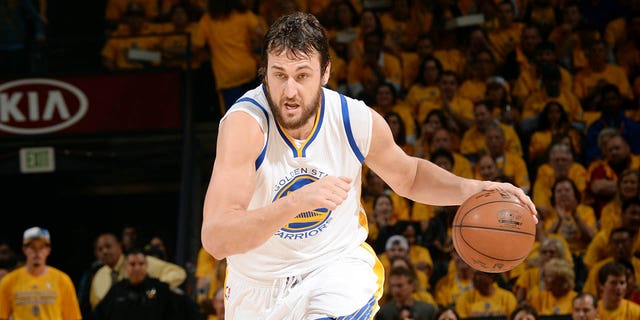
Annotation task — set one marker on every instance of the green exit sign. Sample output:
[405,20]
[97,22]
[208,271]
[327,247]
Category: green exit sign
[35,160]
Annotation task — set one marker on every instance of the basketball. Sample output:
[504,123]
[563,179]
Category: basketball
[493,232]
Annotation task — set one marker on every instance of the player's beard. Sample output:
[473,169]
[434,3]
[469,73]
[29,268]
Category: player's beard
[308,111]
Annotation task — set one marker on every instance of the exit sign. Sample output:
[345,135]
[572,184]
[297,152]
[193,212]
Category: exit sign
[36,160]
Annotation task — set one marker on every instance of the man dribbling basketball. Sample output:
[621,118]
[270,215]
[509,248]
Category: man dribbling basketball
[283,204]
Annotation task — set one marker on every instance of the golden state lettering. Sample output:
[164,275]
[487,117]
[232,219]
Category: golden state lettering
[295,173]
[305,224]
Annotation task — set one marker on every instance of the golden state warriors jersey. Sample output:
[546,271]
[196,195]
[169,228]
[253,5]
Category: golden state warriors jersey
[337,146]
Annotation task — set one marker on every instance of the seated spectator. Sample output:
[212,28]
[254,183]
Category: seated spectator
[524,312]
[113,271]
[599,248]
[551,91]
[425,90]
[372,63]
[568,36]
[399,131]
[572,220]
[419,256]
[387,101]
[402,283]
[498,94]
[510,164]
[612,116]
[585,307]
[506,37]
[453,284]
[588,83]
[8,258]
[521,60]
[374,187]
[474,140]
[603,175]
[485,299]
[532,279]
[556,297]
[435,120]
[443,139]
[134,45]
[621,248]
[612,282]
[138,296]
[487,169]
[553,121]
[561,165]
[421,293]
[482,66]
[457,109]
[181,32]
[628,187]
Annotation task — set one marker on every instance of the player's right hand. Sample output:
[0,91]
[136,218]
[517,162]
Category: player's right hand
[327,192]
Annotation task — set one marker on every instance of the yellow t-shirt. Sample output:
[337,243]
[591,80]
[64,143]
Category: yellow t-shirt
[449,288]
[548,305]
[474,304]
[538,100]
[627,311]
[569,227]
[473,141]
[587,79]
[233,59]
[591,284]
[545,178]
[51,296]
[512,166]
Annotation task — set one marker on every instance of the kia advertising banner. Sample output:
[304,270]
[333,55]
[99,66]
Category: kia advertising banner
[90,104]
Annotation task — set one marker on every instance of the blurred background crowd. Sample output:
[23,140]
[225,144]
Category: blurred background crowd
[543,94]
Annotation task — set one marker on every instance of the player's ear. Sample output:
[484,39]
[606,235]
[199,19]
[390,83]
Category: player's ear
[326,74]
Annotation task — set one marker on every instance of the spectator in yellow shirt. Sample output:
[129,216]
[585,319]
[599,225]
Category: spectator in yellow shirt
[474,141]
[552,124]
[628,187]
[506,37]
[557,296]
[374,63]
[509,163]
[486,298]
[560,165]
[612,280]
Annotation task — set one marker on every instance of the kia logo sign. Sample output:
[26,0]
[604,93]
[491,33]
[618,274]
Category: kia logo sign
[37,106]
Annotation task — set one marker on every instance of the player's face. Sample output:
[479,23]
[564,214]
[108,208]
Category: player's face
[294,85]
[583,309]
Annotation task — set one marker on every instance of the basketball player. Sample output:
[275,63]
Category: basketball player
[283,204]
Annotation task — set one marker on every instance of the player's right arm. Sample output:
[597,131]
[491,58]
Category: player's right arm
[228,226]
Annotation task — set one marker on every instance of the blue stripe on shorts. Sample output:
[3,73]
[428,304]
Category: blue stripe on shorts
[363,313]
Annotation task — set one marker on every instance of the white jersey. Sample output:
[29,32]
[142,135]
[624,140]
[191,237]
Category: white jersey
[337,146]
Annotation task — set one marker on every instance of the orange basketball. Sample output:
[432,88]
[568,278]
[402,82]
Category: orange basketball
[493,232]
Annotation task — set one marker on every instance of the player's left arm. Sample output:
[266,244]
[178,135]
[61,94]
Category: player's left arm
[421,180]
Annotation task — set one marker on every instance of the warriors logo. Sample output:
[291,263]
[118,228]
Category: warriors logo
[305,224]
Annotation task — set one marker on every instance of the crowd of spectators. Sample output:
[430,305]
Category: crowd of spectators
[543,94]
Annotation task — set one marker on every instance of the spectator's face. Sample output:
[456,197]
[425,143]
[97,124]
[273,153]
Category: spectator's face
[487,168]
[631,217]
[524,315]
[430,72]
[383,206]
[448,85]
[547,56]
[583,309]
[530,39]
[555,283]
[36,253]
[367,22]
[401,287]
[424,47]
[179,17]
[136,266]
[611,102]
[621,244]
[628,186]
[572,16]
[560,161]
[345,16]
[447,315]
[495,142]
[564,194]
[598,53]
[617,150]
[129,236]
[549,252]
[218,304]
[482,116]
[614,288]
[485,66]
[394,125]
[410,234]
[384,96]
[441,140]
[396,251]
[109,249]
[555,114]
[506,14]
[444,163]
[482,281]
